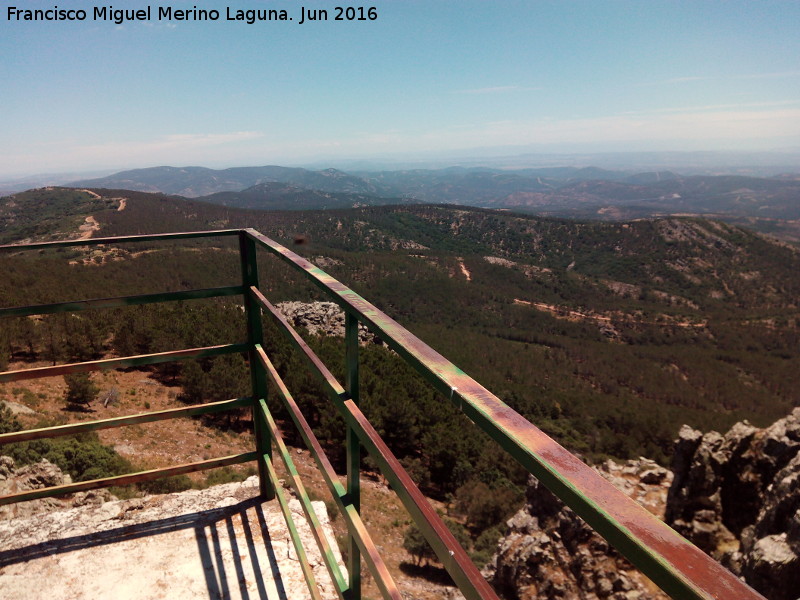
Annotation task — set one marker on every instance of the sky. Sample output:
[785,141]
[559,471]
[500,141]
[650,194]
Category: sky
[423,79]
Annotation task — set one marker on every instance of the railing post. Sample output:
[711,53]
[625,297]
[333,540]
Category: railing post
[353,453]
[255,335]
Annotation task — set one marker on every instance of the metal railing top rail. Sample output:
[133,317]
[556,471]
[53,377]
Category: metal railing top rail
[120,239]
[678,567]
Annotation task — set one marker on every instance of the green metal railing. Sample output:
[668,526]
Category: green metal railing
[675,565]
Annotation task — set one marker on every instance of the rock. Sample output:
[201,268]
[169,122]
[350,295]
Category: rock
[182,546]
[6,467]
[653,476]
[36,476]
[17,408]
[40,475]
[324,262]
[30,477]
[550,553]
[322,318]
[92,498]
[737,497]
[227,501]
[451,593]
[523,522]
[772,567]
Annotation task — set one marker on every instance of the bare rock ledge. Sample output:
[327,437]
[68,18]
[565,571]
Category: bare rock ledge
[222,542]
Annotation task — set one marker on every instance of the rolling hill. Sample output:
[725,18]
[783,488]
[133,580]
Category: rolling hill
[607,335]
[282,196]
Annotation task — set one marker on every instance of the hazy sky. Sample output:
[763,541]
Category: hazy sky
[423,77]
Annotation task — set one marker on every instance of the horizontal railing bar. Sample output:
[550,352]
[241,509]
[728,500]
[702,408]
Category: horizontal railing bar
[328,557]
[308,574]
[375,563]
[674,564]
[129,478]
[120,363]
[452,556]
[120,301]
[159,415]
[120,239]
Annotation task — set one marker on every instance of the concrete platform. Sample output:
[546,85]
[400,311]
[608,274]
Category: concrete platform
[212,544]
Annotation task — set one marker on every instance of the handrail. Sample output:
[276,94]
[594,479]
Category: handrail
[120,301]
[120,239]
[148,417]
[344,501]
[128,478]
[305,501]
[120,363]
[450,553]
[674,564]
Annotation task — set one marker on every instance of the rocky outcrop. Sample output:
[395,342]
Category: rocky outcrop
[322,318]
[16,408]
[737,496]
[550,553]
[36,476]
[221,542]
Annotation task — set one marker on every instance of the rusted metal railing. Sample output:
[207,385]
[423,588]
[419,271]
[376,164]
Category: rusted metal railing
[678,567]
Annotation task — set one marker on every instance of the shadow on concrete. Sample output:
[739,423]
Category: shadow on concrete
[211,548]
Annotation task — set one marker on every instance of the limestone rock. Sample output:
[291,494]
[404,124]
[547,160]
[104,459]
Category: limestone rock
[37,476]
[221,542]
[737,496]
[17,408]
[551,553]
[322,318]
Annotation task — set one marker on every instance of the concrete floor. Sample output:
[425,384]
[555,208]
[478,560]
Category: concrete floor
[216,543]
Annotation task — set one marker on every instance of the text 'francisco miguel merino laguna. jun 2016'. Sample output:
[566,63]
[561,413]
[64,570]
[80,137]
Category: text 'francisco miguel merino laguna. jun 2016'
[119,16]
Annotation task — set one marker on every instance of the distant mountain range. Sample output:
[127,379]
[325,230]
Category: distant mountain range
[454,185]
[194,182]
[767,204]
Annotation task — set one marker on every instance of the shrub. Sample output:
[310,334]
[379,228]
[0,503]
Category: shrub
[82,456]
[228,475]
[8,422]
[418,547]
[166,485]
[81,391]
[485,506]
[486,545]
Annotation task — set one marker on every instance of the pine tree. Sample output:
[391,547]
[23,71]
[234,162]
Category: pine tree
[81,391]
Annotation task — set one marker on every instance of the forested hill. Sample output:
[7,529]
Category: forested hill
[607,335]
[281,196]
[700,262]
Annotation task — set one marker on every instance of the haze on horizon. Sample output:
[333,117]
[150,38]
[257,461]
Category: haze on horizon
[423,80]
